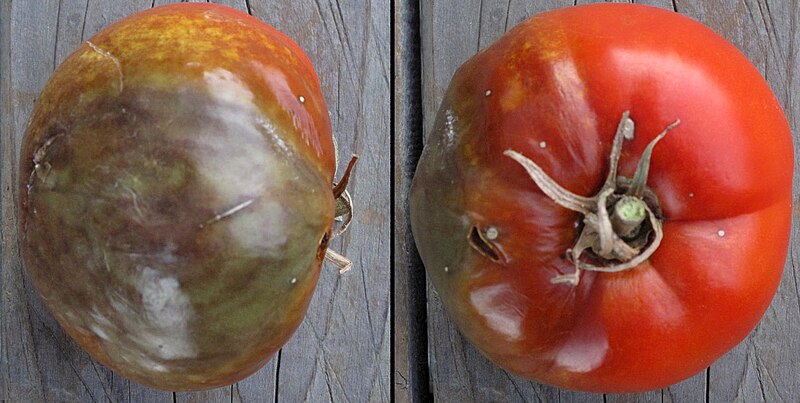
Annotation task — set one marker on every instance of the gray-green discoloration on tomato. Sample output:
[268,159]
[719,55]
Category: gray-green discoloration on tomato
[173,227]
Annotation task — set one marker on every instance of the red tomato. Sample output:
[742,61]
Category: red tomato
[554,90]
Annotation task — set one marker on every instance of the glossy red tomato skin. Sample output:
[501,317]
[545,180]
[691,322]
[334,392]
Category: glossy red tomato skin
[554,89]
[175,184]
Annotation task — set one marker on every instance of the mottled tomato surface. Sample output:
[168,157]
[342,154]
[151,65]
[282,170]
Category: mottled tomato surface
[176,194]
[497,248]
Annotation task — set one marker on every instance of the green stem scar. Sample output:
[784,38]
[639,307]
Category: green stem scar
[629,214]
[620,226]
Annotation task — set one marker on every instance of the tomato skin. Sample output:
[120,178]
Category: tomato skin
[553,89]
[175,185]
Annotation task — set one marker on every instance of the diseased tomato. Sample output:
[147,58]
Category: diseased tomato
[562,270]
[176,183]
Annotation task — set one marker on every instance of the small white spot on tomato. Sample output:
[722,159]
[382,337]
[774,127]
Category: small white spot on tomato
[488,93]
[542,144]
[721,233]
[691,194]
[491,233]
[450,127]
[302,99]
[99,332]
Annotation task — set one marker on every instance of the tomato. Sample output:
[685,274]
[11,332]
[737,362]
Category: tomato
[176,194]
[548,283]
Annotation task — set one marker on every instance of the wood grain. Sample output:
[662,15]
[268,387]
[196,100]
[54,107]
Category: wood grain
[763,367]
[341,351]
[348,43]
[410,338]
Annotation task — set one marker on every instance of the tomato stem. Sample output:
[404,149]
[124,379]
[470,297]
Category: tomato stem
[344,264]
[338,188]
[629,214]
[631,232]
[643,169]
[343,213]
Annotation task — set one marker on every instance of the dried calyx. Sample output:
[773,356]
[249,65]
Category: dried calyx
[343,215]
[621,223]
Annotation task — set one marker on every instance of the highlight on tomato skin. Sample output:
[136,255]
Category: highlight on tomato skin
[604,201]
[176,194]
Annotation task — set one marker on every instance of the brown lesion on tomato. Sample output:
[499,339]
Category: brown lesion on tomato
[323,245]
[41,166]
[41,162]
[622,224]
[483,241]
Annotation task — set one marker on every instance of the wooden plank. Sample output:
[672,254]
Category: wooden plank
[451,33]
[348,324]
[440,20]
[7,239]
[410,337]
[763,361]
[261,386]
[764,366]
[341,352]
[757,370]
[30,62]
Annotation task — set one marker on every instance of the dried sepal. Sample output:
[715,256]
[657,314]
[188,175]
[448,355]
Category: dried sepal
[617,237]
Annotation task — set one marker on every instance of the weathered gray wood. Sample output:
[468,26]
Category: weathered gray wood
[451,33]
[5,183]
[410,338]
[348,42]
[402,343]
[763,368]
[341,351]
[22,80]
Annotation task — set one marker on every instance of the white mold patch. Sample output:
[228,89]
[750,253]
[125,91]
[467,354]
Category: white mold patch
[167,313]
[101,326]
[272,133]
[158,368]
[261,228]
[449,128]
[99,332]
[227,88]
